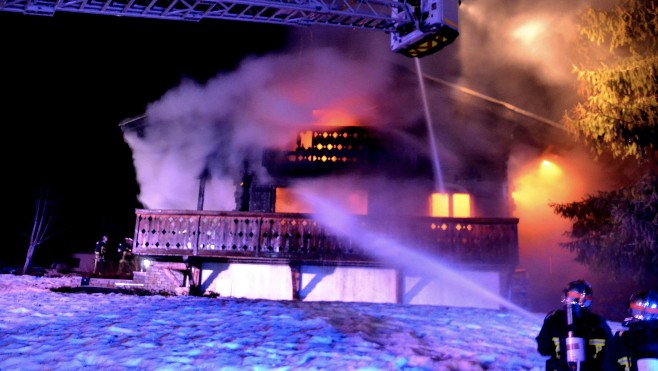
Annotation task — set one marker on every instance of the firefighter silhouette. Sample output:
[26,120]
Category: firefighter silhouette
[126,258]
[100,256]
[573,336]
[636,348]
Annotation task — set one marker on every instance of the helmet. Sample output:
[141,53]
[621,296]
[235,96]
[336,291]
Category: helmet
[579,292]
[643,305]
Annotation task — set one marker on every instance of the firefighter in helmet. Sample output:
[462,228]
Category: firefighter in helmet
[574,337]
[636,349]
[100,256]
[126,258]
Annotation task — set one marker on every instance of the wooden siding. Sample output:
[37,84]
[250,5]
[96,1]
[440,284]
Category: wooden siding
[298,237]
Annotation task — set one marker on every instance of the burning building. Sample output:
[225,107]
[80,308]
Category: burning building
[272,244]
[349,207]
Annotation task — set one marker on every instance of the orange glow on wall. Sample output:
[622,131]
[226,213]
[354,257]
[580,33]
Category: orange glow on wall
[353,202]
[334,117]
[286,202]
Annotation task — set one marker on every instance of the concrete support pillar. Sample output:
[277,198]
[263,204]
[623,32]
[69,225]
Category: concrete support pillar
[399,286]
[296,276]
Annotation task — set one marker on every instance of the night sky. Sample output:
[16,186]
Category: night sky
[70,79]
[67,83]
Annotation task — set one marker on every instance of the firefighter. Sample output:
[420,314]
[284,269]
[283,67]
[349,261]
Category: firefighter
[573,336]
[126,258]
[100,256]
[636,349]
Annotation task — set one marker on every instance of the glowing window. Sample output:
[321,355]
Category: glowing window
[439,204]
[457,205]
[306,139]
[461,205]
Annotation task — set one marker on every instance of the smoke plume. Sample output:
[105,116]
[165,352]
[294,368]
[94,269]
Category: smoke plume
[225,124]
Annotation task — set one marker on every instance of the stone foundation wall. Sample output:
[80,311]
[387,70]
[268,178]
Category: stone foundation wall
[168,278]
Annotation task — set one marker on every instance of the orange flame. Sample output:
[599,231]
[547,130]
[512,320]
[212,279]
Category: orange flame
[335,117]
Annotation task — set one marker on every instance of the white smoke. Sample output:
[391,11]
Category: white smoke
[520,52]
[225,124]
[228,122]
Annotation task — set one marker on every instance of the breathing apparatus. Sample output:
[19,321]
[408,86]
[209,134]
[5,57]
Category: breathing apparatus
[577,297]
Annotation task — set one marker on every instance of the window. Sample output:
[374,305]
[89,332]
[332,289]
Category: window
[457,205]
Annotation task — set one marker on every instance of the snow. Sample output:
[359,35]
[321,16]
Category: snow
[43,329]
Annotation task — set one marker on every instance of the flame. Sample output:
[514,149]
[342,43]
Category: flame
[306,139]
[550,171]
[539,184]
[335,117]
[536,186]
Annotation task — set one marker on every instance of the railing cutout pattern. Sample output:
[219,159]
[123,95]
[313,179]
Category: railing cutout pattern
[299,237]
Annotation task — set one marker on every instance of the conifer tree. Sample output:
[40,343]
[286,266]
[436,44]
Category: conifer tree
[617,231]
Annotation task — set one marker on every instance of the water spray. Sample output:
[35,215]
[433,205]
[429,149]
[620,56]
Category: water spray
[386,248]
[438,174]
[487,98]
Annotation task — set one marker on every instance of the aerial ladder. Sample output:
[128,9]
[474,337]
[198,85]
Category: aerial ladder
[417,27]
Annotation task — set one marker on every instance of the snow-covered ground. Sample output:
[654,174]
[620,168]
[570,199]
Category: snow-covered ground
[41,329]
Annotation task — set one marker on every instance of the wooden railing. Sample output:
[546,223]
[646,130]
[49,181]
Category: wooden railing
[298,237]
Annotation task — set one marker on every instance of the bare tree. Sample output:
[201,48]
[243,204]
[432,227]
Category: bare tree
[43,215]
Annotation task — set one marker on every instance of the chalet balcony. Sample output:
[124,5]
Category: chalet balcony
[291,237]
